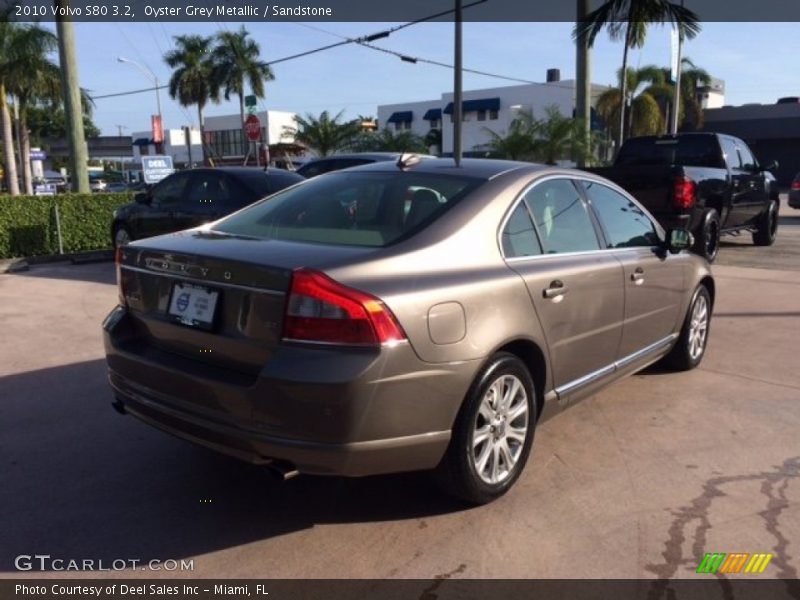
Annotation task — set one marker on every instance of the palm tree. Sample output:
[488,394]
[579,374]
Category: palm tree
[628,20]
[692,76]
[557,137]
[192,80]
[517,142]
[387,140]
[236,62]
[324,134]
[7,29]
[645,115]
[31,77]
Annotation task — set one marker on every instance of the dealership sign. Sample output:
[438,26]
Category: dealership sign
[156,168]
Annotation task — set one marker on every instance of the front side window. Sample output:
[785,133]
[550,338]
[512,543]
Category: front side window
[625,224]
[352,208]
[561,218]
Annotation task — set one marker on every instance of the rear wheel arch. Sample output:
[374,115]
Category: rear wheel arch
[534,359]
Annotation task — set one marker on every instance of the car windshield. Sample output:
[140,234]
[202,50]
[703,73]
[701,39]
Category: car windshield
[688,150]
[352,209]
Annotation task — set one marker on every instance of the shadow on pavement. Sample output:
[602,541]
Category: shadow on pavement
[80,481]
[100,272]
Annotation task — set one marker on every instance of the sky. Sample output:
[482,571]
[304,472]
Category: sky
[750,57]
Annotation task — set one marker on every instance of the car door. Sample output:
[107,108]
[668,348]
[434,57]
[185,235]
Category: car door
[211,195]
[654,279]
[755,186]
[165,199]
[741,183]
[577,290]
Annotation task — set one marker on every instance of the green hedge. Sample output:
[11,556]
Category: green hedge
[28,224]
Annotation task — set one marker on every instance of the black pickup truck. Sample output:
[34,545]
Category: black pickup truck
[708,183]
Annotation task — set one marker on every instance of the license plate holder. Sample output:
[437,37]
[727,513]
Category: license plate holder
[193,305]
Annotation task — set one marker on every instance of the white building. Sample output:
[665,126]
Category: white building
[224,133]
[489,108]
[224,139]
[174,145]
[713,94]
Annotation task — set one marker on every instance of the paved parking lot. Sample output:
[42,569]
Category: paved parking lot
[638,482]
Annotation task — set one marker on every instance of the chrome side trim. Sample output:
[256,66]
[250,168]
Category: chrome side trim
[204,281]
[585,380]
[632,358]
[615,366]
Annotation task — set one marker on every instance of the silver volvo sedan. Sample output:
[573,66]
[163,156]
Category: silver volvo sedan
[402,316]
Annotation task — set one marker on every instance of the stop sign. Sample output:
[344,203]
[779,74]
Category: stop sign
[252,127]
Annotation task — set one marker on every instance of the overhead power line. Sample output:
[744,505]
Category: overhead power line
[345,40]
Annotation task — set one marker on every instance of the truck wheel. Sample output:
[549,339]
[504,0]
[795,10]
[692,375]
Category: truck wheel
[707,244]
[691,345]
[493,433]
[767,226]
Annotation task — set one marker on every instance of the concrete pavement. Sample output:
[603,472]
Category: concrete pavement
[637,482]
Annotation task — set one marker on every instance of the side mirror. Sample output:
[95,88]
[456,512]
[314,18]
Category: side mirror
[141,198]
[770,166]
[679,239]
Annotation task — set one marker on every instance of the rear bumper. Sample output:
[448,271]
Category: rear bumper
[794,199]
[327,412]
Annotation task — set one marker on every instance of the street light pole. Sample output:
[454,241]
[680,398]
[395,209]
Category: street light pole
[154,78]
[457,89]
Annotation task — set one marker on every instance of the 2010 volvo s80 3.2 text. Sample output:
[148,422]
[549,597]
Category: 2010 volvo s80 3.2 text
[398,317]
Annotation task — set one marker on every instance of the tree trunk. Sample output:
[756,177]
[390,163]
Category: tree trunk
[624,85]
[244,133]
[583,89]
[25,138]
[9,161]
[206,154]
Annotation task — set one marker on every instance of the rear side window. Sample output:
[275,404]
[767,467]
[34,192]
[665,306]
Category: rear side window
[625,224]
[731,154]
[356,209]
[519,236]
[561,218]
[687,150]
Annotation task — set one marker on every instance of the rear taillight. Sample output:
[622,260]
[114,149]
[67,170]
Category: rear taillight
[684,193]
[118,263]
[796,185]
[322,310]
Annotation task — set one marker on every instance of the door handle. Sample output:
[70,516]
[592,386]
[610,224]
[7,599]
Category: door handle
[556,289]
[637,276]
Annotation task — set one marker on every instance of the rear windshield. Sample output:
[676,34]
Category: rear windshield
[689,151]
[352,209]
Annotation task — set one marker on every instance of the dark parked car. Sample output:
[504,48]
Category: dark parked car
[189,198]
[709,183]
[344,161]
[377,338]
[794,192]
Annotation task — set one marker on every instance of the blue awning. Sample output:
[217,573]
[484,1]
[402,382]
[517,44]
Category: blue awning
[475,105]
[433,114]
[405,116]
[142,142]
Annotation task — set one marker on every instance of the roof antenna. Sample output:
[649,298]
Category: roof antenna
[406,160]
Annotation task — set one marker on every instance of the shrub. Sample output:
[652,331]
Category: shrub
[28,225]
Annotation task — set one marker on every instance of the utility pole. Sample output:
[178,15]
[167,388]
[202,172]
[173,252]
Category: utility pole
[457,89]
[583,75]
[76,139]
[120,128]
[676,98]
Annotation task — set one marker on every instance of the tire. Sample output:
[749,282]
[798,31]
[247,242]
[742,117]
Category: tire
[767,226]
[478,472]
[121,235]
[689,350]
[707,244]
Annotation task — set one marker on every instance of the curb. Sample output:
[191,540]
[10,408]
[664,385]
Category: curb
[16,265]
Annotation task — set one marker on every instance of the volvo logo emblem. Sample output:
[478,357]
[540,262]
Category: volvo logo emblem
[227,275]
